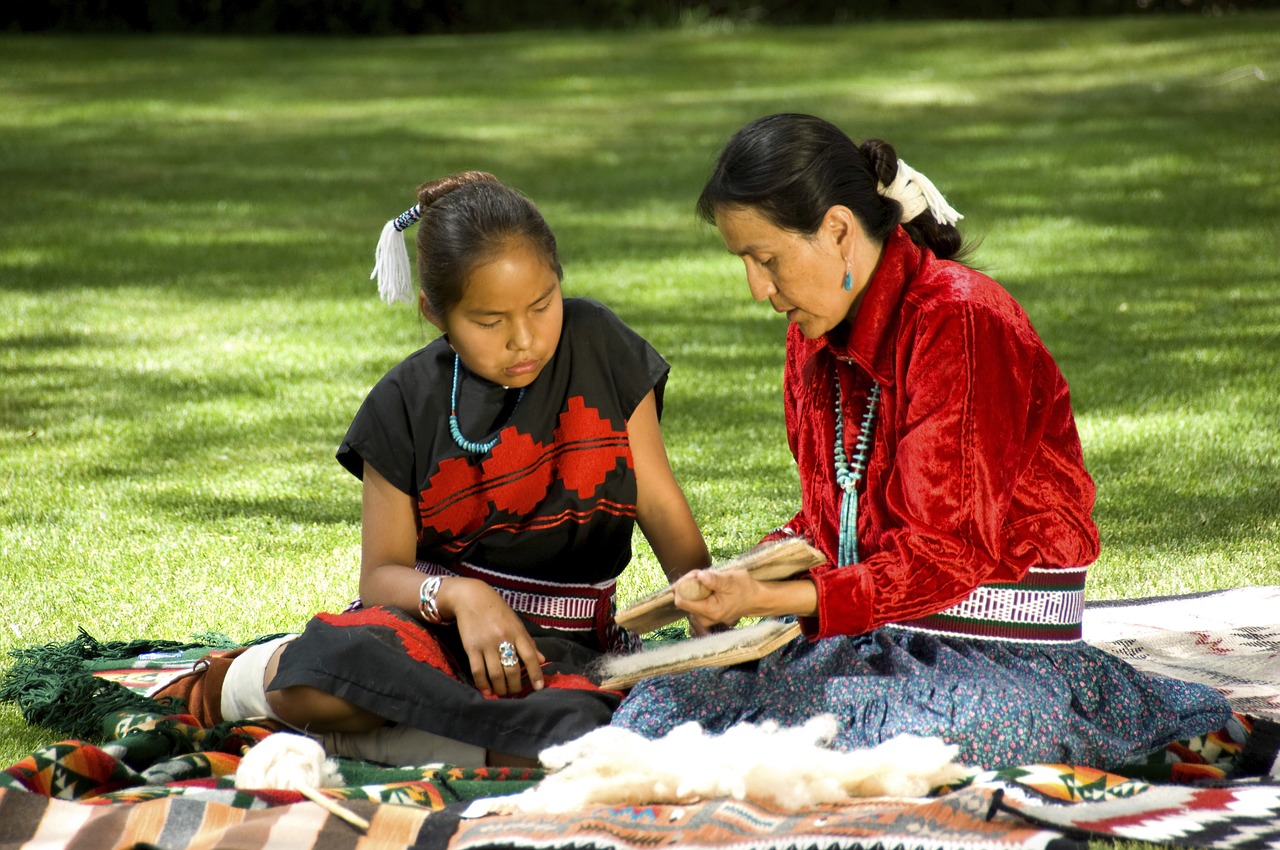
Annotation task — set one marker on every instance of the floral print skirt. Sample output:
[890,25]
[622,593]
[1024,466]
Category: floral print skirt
[1003,703]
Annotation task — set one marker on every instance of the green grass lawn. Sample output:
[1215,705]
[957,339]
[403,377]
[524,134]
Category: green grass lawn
[187,325]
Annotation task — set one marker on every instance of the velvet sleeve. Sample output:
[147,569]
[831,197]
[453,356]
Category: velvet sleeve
[962,421]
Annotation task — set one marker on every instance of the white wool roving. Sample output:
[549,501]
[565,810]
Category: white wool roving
[287,761]
[789,769]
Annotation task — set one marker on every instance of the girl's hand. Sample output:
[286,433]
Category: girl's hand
[485,623]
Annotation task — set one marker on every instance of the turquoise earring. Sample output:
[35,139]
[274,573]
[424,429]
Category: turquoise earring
[848,280]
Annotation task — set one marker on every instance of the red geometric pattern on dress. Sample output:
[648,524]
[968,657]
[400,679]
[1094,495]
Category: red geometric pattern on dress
[608,506]
[572,682]
[519,471]
[518,484]
[418,643]
[454,512]
[540,522]
[558,681]
[584,471]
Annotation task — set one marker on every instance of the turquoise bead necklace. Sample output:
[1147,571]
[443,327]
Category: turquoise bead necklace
[849,474]
[463,443]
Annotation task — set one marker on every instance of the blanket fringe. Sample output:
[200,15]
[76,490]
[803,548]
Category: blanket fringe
[53,686]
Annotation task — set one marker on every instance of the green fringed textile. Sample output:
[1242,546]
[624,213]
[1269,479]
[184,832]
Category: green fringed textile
[664,635]
[54,685]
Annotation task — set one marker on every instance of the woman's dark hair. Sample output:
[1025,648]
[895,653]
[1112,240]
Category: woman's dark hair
[793,168]
[466,220]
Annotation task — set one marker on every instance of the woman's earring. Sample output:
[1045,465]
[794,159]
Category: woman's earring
[848,278]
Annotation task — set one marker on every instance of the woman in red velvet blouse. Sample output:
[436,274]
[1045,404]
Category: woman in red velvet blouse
[940,472]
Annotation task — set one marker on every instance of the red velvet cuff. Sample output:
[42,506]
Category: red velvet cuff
[844,602]
[777,534]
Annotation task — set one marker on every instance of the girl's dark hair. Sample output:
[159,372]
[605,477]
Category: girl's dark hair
[466,220]
[793,168]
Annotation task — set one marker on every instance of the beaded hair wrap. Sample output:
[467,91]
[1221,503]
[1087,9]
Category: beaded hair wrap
[391,259]
[916,193]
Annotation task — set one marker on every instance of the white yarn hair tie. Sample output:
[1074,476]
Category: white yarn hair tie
[916,193]
[391,259]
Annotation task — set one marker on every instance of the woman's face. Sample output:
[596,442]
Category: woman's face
[800,275]
[507,325]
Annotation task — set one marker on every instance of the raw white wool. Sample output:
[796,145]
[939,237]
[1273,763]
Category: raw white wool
[287,761]
[789,769]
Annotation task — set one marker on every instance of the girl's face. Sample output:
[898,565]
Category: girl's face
[507,325]
[800,275]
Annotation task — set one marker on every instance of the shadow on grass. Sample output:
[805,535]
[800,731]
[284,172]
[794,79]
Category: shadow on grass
[302,511]
[1130,219]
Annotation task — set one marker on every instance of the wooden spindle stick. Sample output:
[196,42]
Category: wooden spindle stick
[690,588]
[331,806]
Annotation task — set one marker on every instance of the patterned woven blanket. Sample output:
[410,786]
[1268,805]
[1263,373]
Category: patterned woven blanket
[176,778]
[1227,639]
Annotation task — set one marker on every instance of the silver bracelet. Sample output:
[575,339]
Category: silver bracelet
[427,600]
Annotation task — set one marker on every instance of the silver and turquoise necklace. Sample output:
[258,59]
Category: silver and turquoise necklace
[463,443]
[849,474]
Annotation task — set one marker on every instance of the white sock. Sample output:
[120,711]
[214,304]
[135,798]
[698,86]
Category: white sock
[244,694]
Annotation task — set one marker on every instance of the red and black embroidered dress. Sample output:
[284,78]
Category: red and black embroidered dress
[545,516]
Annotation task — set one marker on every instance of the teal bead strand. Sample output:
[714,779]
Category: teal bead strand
[848,475]
[456,432]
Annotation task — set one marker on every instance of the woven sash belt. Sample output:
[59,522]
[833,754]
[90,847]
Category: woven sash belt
[552,605]
[1045,607]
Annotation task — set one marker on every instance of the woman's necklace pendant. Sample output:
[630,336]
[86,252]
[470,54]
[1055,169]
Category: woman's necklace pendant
[849,474]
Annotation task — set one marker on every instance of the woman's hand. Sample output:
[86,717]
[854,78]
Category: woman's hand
[485,622]
[698,628]
[715,597]
[723,597]
[689,589]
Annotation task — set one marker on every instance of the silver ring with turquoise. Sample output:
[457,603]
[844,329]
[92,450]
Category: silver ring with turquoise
[507,654]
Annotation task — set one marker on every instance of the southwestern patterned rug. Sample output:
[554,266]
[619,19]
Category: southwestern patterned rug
[1227,639]
[135,775]
[966,820]
[962,820]
[1240,817]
